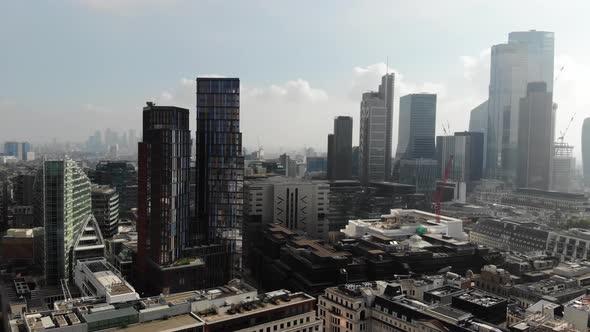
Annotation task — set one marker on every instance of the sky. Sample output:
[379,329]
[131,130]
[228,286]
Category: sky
[70,67]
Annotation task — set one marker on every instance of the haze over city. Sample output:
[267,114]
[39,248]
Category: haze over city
[71,67]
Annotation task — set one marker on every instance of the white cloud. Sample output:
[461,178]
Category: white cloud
[296,91]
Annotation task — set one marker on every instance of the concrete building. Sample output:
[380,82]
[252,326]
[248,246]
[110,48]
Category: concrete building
[63,205]
[417,118]
[586,150]
[105,208]
[401,224]
[577,312]
[233,307]
[509,235]
[376,121]
[23,246]
[340,159]
[535,137]
[296,204]
[19,150]
[564,165]
[98,279]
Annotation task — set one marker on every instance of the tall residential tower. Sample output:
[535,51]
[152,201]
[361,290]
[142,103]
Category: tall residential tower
[220,165]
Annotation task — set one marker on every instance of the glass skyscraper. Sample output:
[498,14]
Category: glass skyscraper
[376,132]
[417,118]
[535,140]
[341,157]
[63,204]
[220,163]
[527,57]
[164,184]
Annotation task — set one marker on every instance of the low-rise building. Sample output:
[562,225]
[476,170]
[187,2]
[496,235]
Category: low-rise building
[401,224]
[98,279]
[509,235]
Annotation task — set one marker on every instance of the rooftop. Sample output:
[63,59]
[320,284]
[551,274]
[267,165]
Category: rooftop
[582,303]
[184,321]
[481,298]
[264,302]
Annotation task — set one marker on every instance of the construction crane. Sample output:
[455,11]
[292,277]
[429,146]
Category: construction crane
[438,195]
[562,133]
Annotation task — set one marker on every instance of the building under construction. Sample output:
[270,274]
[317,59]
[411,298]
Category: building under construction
[563,167]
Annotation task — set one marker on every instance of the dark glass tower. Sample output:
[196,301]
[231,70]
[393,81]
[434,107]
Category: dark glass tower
[341,157]
[220,163]
[163,185]
[535,137]
[417,126]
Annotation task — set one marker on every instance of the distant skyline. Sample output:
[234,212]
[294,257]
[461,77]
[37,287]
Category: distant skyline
[71,67]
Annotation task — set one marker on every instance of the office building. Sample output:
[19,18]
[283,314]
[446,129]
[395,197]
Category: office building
[509,235]
[535,137]
[421,173]
[283,258]
[417,119]
[401,224]
[466,150]
[63,205]
[233,307]
[376,121]
[121,175]
[586,150]
[23,189]
[478,118]
[341,152]
[19,150]
[163,221]
[527,57]
[564,165]
[316,165]
[23,246]
[105,208]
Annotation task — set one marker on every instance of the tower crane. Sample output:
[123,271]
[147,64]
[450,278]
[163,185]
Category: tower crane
[562,133]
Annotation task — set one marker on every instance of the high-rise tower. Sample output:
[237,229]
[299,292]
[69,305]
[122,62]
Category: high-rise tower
[375,132]
[417,118]
[63,204]
[527,57]
[340,157]
[535,138]
[163,193]
[220,164]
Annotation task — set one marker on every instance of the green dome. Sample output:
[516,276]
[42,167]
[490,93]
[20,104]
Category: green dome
[421,230]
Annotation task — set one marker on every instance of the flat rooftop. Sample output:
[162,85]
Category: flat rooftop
[184,321]
[481,298]
[582,303]
[445,290]
[266,302]
[451,312]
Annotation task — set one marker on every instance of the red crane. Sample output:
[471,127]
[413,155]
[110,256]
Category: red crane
[438,196]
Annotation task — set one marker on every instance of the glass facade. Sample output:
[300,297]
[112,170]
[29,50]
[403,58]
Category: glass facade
[164,184]
[376,132]
[121,175]
[417,126]
[65,202]
[220,163]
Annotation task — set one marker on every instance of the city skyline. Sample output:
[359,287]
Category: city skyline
[458,74]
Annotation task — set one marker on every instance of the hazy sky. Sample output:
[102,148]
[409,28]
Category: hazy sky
[69,67]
